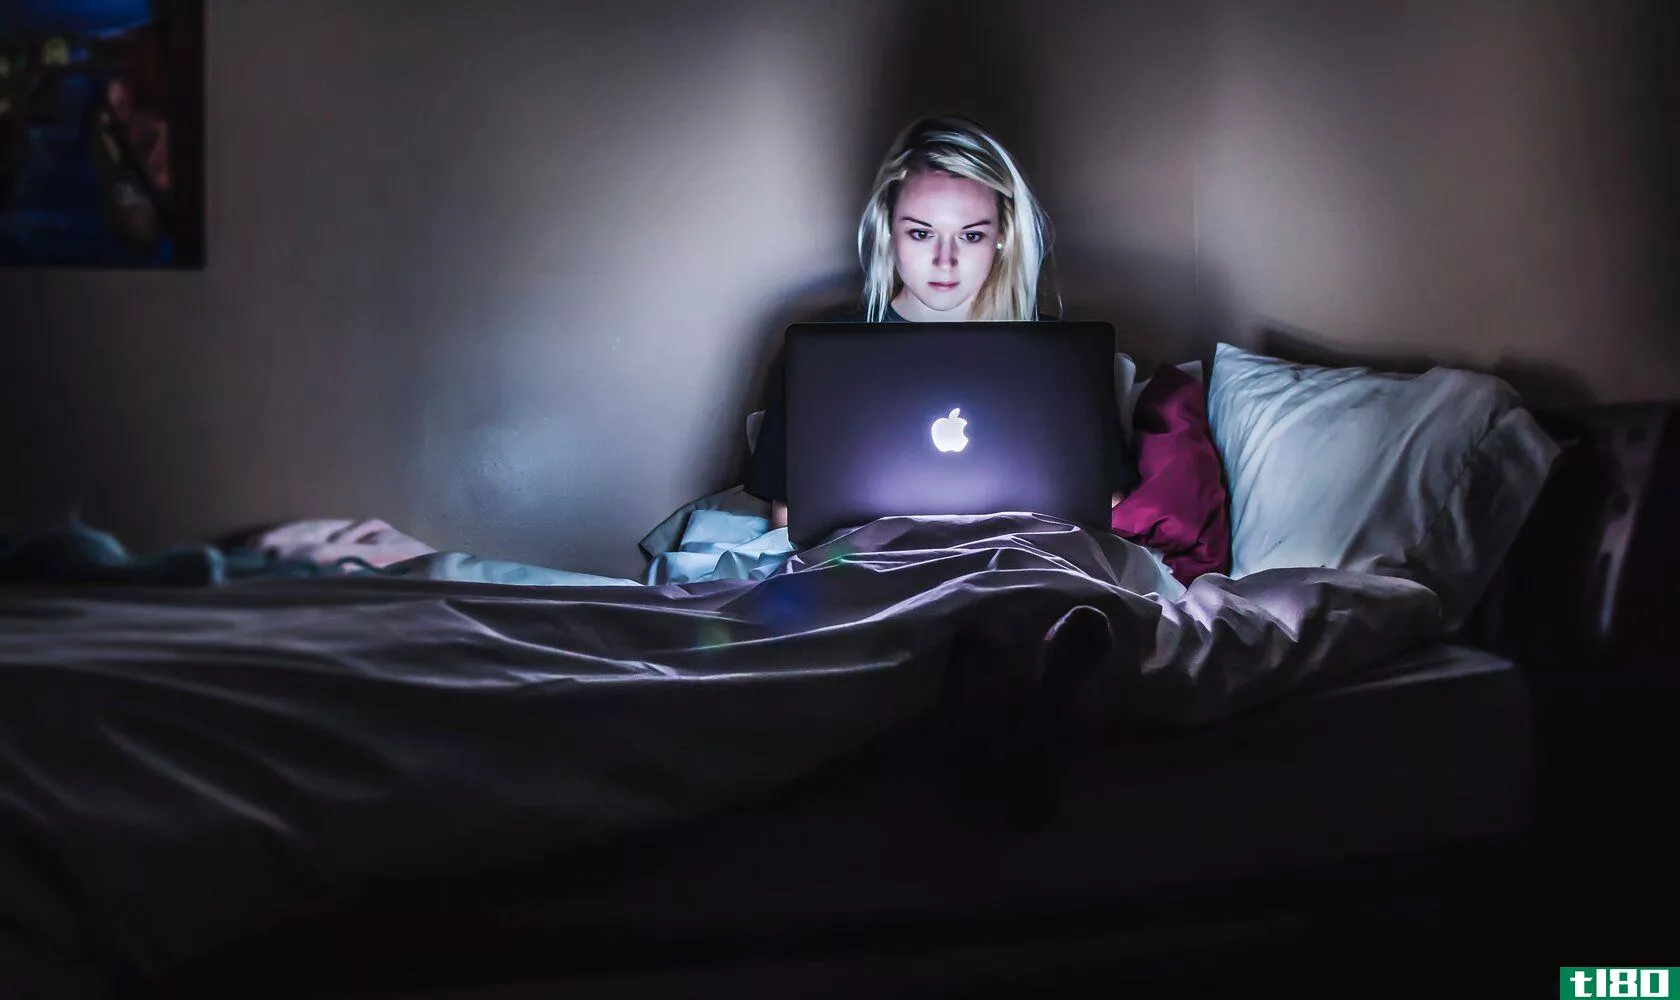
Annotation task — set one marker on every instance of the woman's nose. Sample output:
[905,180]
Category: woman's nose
[945,253]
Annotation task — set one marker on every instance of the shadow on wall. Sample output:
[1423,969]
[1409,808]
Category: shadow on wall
[1164,311]
[1541,385]
[1651,106]
[950,57]
[823,298]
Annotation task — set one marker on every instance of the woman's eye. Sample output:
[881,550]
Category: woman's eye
[974,237]
[919,234]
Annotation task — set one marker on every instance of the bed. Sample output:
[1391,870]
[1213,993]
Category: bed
[400,845]
[867,880]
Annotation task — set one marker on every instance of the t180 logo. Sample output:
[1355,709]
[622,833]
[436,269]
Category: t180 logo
[1577,982]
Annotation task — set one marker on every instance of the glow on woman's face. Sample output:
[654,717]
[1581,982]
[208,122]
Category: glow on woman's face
[944,241]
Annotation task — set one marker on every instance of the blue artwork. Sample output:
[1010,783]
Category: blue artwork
[101,133]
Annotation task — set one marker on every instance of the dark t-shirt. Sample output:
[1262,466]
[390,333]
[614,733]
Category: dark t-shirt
[767,466]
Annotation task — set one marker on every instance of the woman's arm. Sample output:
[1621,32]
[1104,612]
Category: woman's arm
[767,470]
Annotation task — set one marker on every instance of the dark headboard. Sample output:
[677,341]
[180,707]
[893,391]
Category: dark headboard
[1590,581]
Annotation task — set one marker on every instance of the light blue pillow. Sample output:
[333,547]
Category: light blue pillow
[1425,477]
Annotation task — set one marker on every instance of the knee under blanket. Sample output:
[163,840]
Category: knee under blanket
[179,767]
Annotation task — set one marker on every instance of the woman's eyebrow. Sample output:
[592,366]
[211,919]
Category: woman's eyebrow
[919,222]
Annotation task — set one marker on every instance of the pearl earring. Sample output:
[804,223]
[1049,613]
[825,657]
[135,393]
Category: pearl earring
[1000,246]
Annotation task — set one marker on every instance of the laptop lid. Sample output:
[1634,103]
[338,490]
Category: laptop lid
[948,418]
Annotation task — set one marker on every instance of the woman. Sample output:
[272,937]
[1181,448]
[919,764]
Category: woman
[951,233]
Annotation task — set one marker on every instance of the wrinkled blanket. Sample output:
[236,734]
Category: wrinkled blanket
[721,536]
[179,767]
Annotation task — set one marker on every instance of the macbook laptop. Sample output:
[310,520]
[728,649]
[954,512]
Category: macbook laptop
[947,418]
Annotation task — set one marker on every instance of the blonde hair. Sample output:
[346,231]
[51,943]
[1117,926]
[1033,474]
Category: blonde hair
[960,147]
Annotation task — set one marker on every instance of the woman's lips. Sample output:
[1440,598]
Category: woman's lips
[942,286]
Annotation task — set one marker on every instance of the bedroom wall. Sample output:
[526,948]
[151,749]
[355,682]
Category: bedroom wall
[507,274]
[503,274]
[1487,184]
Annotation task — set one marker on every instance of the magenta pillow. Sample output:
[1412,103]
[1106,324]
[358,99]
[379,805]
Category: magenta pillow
[1178,508]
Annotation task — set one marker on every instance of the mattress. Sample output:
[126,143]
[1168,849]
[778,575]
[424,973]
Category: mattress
[1434,750]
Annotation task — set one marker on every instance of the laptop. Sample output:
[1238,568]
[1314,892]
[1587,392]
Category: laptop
[947,418]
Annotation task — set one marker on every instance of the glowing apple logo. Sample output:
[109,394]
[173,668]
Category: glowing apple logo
[948,432]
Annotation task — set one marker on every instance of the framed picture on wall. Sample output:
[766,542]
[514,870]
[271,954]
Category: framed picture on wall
[102,133]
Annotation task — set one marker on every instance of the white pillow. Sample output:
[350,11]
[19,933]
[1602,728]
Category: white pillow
[1426,477]
[755,420]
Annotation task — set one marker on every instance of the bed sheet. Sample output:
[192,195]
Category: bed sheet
[181,766]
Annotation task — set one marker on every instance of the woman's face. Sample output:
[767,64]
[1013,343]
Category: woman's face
[944,240]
